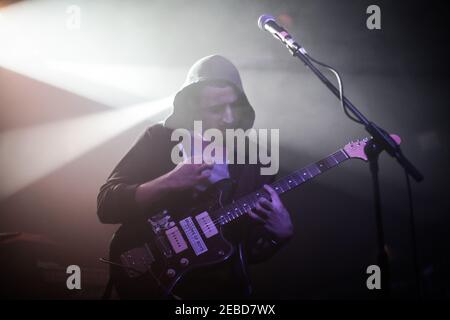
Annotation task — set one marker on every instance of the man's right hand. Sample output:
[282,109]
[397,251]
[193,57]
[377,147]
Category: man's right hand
[187,175]
[184,176]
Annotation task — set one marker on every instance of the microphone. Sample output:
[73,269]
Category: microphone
[267,23]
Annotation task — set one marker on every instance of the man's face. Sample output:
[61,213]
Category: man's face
[219,107]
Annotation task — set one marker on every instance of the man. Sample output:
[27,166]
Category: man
[146,181]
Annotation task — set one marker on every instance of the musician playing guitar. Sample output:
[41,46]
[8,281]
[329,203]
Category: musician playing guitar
[146,192]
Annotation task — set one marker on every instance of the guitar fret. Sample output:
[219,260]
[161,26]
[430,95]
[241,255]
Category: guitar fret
[341,155]
[305,174]
[237,211]
[334,159]
[286,185]
[250,200]
[260,194]
[292,183]
[299,177]
[243,203]
[329,162]
[278,187]
[321,165]
[314,170]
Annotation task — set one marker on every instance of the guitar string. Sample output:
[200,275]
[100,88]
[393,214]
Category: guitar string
[217,221]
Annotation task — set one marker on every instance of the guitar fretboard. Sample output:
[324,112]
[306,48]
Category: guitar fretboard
[241,206]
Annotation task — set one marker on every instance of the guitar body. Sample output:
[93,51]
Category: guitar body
[156,254]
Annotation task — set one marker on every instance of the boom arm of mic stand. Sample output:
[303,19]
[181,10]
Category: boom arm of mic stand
[379,135]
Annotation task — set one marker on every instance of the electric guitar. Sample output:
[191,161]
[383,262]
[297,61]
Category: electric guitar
[173,247]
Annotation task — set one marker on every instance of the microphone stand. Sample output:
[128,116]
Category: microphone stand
[381,141]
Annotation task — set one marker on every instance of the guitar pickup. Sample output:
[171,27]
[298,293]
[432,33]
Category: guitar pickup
[176,239]
[206,224]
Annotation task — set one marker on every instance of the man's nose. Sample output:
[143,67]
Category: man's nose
[228,115]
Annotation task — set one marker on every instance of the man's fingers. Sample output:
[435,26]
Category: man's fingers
[273,193]
[255,217]
[260,210]
[205,166]
[265,203]
[204,175]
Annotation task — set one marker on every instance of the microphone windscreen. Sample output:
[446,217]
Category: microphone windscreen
[264,19]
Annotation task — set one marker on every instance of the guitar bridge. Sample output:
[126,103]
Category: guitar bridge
[160,222]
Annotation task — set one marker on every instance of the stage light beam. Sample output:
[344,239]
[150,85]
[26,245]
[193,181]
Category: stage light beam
[31,153]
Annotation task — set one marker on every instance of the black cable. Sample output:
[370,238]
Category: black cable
[413,238]
[104,260]
[341,87]
[108,289]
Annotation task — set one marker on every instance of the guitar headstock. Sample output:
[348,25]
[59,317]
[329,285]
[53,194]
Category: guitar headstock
[355,149]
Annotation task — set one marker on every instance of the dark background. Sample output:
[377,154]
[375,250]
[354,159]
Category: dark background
[397,76]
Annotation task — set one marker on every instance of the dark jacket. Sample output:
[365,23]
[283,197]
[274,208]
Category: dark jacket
[149,158]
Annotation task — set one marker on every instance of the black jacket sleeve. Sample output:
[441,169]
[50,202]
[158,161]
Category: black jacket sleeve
[116,199]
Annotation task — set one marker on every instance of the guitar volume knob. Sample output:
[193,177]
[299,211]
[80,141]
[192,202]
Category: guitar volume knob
[184,262]
[171,273]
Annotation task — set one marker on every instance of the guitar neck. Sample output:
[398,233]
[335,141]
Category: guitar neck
[241,206]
